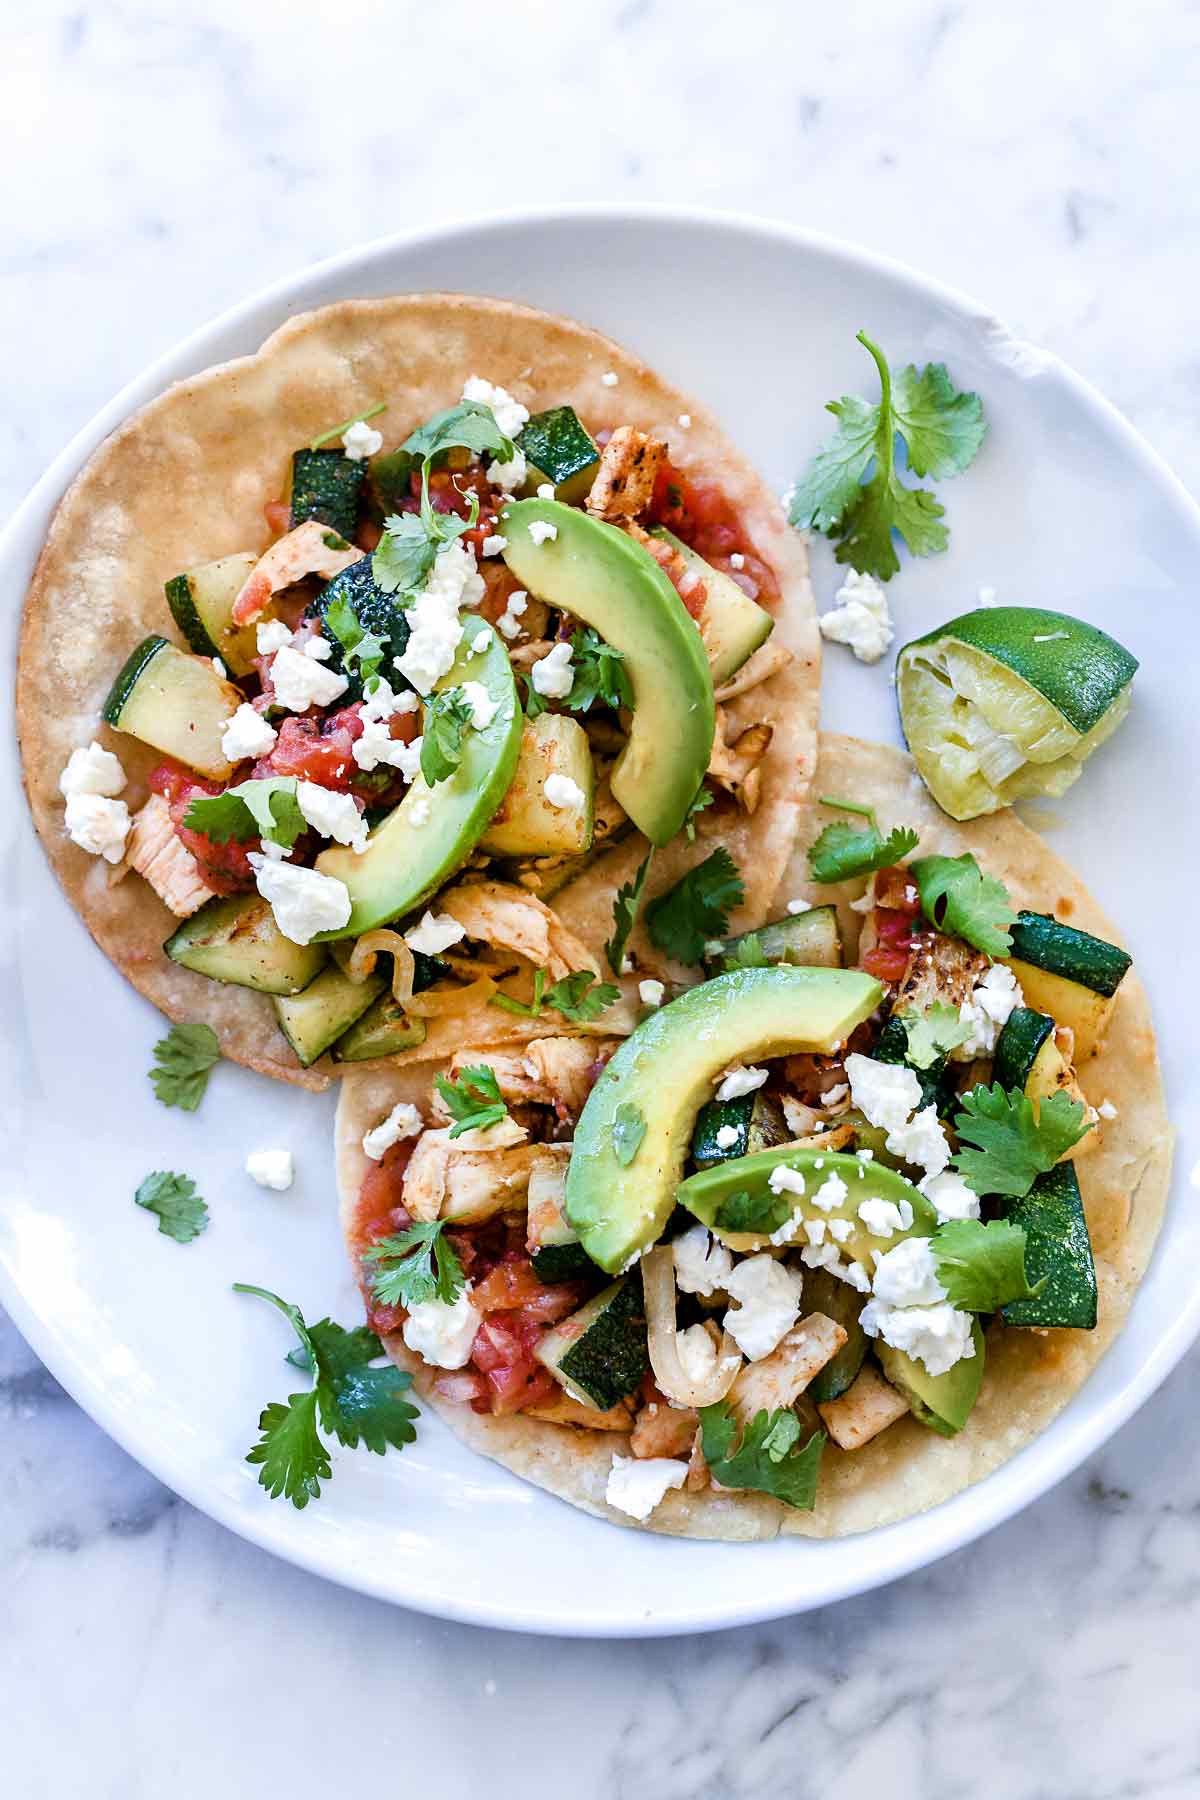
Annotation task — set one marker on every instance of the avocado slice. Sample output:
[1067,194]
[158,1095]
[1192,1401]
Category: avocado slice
[406,861]
[942,1402]
[663,1074]
[734,1199]
[601,575]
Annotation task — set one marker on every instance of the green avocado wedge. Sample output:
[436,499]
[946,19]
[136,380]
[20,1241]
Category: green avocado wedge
[735,1200]
[941,1402]
[601,575]
[620,1192]
[409,856]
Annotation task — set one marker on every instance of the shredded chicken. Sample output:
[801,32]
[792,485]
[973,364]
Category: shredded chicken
[472,1178]
[523,656]
[311,549]
[629,466]
[511,919]
[684,577]
[777,1379]
[766,661]
[869,1405]
[154,850]
[736,766]
[566,1067]
[940,968]
[565,1411]
[1066,1081]
[663,1430]
[698,1477]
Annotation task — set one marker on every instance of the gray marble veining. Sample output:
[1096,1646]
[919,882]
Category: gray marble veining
[163,161]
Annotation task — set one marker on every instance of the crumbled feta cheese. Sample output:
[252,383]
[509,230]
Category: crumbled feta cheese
[517,602]
[887,1094]
[1107,1110]
[545,490]
[739,1081]
[795,907]
[508,413]
[541,532]
[480,642]
[483,707]
[701,1264]
[435,933]
[98,825]
[609,379]
[247,734]
[996,995]
[835,1095]
[219,667]
[421,811]
[275,852]
[508,475]
[92,770]
[832,1192]
[697,1353]
[434,625]
[685,420]
[552,674]
[841,1230]
[815,1229]
[907,1275]
[272,635]
[650,993]
[768,1296]
[937,1336]
[861,618]
[883,1218]
[303,901]
[987,596]
[493,544]
[332,815]
[636,1485]
[361,440]
[377,745]
[951,1196]
[300,682]
[271,1169]
[737,560]
[562,793]
[443,1332]
[854,1275]
[783,1180]
[922,1141]
[727,1135]
[404,1121]
[318,647]
[866,903]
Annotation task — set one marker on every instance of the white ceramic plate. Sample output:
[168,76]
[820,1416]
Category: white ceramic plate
[1065,507]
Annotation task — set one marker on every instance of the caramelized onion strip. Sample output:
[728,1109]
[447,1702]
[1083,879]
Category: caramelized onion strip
[680,1388]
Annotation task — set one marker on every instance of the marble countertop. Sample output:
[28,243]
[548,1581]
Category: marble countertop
[163,162]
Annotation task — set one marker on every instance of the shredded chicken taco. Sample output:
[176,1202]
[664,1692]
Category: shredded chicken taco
[836,1230]
[362,679]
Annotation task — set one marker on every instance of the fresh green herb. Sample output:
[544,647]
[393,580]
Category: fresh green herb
[982,1267]
[512,1005]
[355,1402]
[768,1460]
[625,911]
[697,908]
[1008,1144]
[746,953]
[960,899]
[447,716]
[841,852]
[415,1265]
[410,541]
[628,1130]
[932,1034]
[763,1212]
[333,540]
[466,426]
[360,648]
[702,800]
[264,809]
[942,430]
[473,1099]
[173,1199]
[535,703]
[338,431]
[183,1062]
[580,998]
[599,674]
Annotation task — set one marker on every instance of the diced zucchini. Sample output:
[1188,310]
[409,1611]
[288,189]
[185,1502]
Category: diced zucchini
[315,1019]
[809,939]
[1058,1249]
[1068,974]
[236,939]
[201,602]
[1025,1036]
[554,1248]
[558,450]
[525,823]
[547,875]
[326,485]
[376,611]
[732,625]
[599,1354]
[824,1293]
[382,1030]
[757,1119]
[938,1082]
[176,703]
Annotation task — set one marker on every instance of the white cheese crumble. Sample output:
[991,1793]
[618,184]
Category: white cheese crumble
[562,793]
[938,1336]
[443,1332]
[795,907]
[737,560]
[219,667]
[332,815]
[303,901]
[636,1485]
[685,420]
[272,635]
[247,734]
[404,1121]
[883,1218]
[318,647]
[271,1169]
[922,1141]
[831,1194]
[508,475]
[545,490]
[727,1135]
[508,413]
[907,1275]
[886,1093]
[361,440]
[861,618]
[480,641]
[697,1353]
[951,1197]
[483,707]
[92,770]
[541,532]
[995,996]
[783,1180]
[434,625]
[300,682]
[841,1230]
[702,1265]
[435,933]
[1107,1110]
[737,1082]
[609,379]
[98,825]
[650,993]
[494,543]
[552,674]
[768,1296]
[421,811]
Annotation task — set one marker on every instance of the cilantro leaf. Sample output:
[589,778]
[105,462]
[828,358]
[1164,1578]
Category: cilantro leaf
[360,648]
[173,1199]
[932,1034]
[535,704]
[415,1265]
[701,801]
[447,716]
[960,899]
[467,426]
[473,1099]
[1008,1145]
[842,851]
[982,1267]
[262,809]
[628,1130]
[941,429]
[294,1462]
[405,553]
[183,1061]
[697,908]
[599,674]
[760,1212]
[511,1004]
[744,953]
[625,910]
[769,1458]
[577,999]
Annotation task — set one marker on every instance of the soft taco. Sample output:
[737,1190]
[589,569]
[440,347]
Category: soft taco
[840,1227]
[454,665]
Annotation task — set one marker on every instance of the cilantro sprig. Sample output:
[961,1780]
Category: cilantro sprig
[982,1267]
[843,851]
[173,1199]
[681,921]
[960,899]
[578,997]
[415,1265]
[472,1099]
[933,1033]
[447,716]
[354,1402]
[183,1062]
[941,429]
[1005,1144]
[361,649]
[338,431]
[411,540]
[768,1459]
[599,674]
[700,802]
[625,911]
[263,809]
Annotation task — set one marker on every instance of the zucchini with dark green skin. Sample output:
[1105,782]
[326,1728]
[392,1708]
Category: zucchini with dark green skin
[554,1247]
[757,1120]
[235,939]
[1019,1045]
[938,1083]
[176,703]
[1058,1252]
[809,940]
[1044,943]
[201,602]
[558,450]
[375,611]
[600,1354]
[326,485]
[385,1028]
[327,1008]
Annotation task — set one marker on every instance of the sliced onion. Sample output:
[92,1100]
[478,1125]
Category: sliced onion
[658,1285]
[366,952]
[439,1002]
